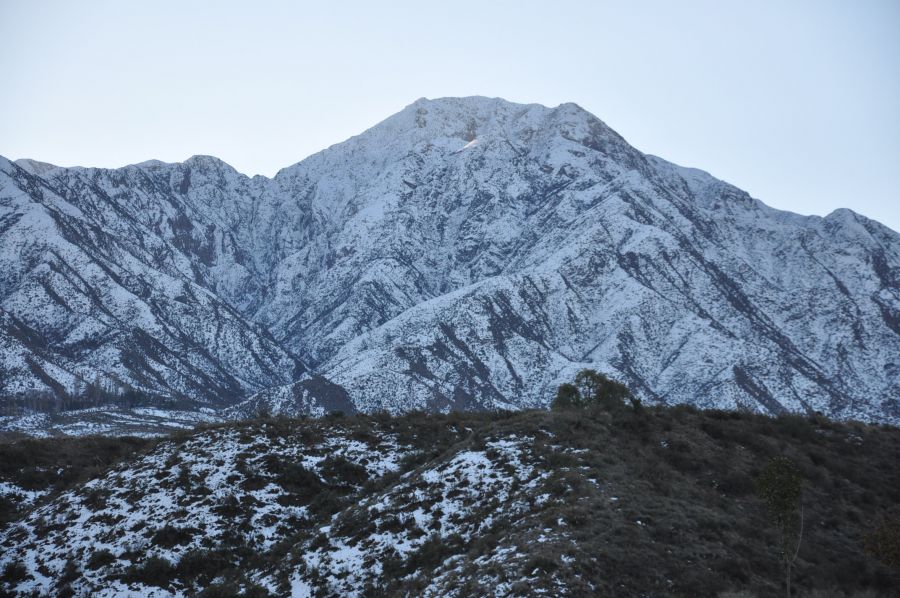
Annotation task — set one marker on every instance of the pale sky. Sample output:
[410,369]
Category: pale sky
[797,102]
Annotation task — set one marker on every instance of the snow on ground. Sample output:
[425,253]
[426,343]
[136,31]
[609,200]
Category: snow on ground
[19,496]
[108,421]
[450,501]
[182,498]
[306,506]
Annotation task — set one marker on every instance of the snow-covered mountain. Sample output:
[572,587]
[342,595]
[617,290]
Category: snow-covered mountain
[96,285]
[464,253]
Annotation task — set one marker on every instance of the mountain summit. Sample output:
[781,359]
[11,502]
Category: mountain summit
[465,253]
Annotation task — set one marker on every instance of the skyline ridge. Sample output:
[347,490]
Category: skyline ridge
[22,161]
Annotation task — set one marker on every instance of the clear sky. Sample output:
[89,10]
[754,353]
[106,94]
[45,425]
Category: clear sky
[796,102]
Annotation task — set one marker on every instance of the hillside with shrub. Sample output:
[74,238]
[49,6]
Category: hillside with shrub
[581,500]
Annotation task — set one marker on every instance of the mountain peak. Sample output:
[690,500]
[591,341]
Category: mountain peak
[478,107]
[452,122]
[204,162]
[469,117]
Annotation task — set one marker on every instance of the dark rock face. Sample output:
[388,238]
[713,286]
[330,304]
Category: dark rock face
[463,254]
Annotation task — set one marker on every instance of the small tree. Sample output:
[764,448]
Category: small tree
[780,486]
[592,388]
[567,397]
[597,389]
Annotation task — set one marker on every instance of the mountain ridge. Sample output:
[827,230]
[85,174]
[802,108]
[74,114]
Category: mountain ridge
[473,253]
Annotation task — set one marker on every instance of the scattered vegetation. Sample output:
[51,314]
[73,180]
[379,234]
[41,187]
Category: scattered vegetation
[50,465]
[622,500]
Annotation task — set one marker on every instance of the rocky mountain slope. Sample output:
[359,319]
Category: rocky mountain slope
[90,291]
[465,253]
[657,503]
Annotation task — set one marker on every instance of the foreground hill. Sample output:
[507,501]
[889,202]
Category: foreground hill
[657,503]
[465,253]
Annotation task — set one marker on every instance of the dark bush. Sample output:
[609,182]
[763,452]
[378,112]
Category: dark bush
[326,502]
[69,573]
[204,565]
[169,536]
[301,483]
[99,559]
[155,571]
[337,469]
[540,563]
[14,572]
[8,510]
[96,498]
[229,507]
[434,551]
